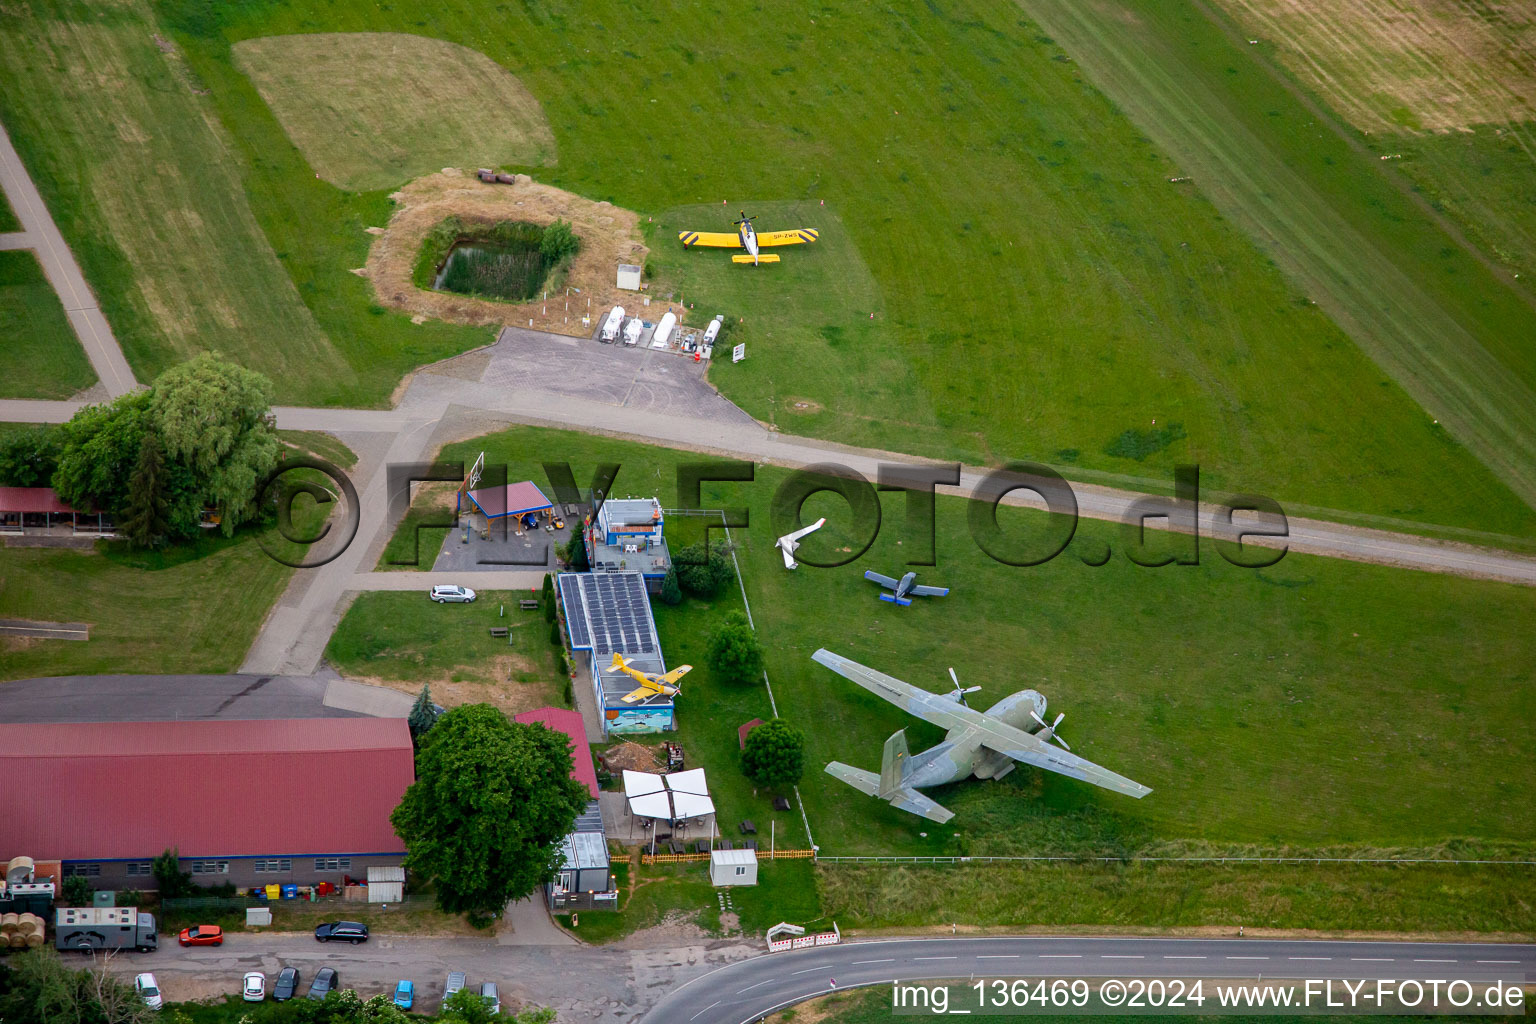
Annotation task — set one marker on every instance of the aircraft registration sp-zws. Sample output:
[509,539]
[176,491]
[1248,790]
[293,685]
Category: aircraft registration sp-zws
[650,686]
[748,239]
[985,744]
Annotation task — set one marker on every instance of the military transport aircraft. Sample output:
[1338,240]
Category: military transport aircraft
[790,542]
[748,239]
[902,587]
[650,686]
[985,744]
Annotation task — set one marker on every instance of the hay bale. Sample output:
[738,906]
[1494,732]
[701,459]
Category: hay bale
[8,923]
[16,940]
[29,924]
[33,941]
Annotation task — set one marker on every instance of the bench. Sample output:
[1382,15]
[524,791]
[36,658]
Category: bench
[528,604]
[498,631]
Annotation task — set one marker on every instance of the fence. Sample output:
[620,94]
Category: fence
[1085,859]
[683,858]
[242,903]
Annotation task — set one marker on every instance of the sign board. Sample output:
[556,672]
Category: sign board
[739,353]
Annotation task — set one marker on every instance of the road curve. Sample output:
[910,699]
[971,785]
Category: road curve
[744,991]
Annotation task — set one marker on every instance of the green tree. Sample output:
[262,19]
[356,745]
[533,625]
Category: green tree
[554,635]
[145,519]
[211,416]
[423,714]
[576,553]
[98,451]
[704,569]
[491,801]
[734,651]
[37,987]
[28,457]
[774,756]
[671,593]
[559,243]
[78,891]
[172,882]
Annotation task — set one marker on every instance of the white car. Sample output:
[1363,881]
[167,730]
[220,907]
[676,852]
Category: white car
[254,988]
[450,592]
[149,990]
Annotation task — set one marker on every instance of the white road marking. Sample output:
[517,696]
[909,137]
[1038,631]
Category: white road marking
[760,984]
[1371,959]
[1309,958]
[1061,956]
[1434,961]
[1498,961]
[1122,956]
[997,956]
[1247,958]
[706,1009]
[808,970]
[1172,956]
[889,960]
[935,958]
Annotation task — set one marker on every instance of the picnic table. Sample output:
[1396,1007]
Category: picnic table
[748,828]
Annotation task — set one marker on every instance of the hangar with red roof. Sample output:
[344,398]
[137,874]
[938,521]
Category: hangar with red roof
[247,802]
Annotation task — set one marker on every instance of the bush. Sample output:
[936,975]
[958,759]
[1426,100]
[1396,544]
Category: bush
[130,898]
[671,593]
[734,651]
[559,243]
[172,882]
[554,634]
[77,891]
[703,569]
[576,553]
[774,756]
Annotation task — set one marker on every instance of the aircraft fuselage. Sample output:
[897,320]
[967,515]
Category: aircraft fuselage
[961,754]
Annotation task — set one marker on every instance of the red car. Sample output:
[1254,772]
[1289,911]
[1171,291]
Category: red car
[202,935]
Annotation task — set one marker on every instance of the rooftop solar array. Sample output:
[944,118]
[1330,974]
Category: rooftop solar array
[614,613]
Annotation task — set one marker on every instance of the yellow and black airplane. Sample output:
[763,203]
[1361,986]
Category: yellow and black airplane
[748,239]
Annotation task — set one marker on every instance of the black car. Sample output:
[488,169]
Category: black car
[324,984]
[287,985]
[342,931]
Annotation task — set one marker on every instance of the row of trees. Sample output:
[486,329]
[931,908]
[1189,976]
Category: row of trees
[154,459]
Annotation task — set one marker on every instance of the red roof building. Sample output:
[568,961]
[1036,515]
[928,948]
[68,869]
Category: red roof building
[512,500]
[569,722]
[32,500]
[245,801]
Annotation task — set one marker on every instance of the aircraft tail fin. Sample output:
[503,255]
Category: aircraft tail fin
[893,599]
[767,257]
[893,763]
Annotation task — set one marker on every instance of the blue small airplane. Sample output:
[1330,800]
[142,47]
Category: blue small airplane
[902,587]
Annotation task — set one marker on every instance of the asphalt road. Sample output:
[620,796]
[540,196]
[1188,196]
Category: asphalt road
[743,991]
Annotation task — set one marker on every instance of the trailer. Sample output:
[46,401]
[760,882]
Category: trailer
[632,331]
[88,929]
[611,325]
[664,331]
[713,330]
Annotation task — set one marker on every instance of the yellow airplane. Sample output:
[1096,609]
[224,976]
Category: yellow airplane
[650,686]
[748,239]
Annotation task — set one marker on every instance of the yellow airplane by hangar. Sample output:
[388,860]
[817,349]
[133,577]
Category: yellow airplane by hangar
[748,239]
[650,686]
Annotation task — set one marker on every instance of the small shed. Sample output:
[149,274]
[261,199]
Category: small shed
[258,917]
[629,277]
[386,883]
[732,867]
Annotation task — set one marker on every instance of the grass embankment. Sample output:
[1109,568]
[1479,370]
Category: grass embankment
[8,219]
[404,640]
[195,608]
[320,445]
[43,358]
[1306,709]
[1156,309]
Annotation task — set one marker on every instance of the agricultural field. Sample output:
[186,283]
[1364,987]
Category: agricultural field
[1307,709]
[43,359]
[1039,285]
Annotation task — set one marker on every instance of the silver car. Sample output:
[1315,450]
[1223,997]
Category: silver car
[455,982]
[453,594]
[491,996]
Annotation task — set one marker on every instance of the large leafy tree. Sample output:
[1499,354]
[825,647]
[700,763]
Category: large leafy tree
[491,801]
[704,569]
[774,756]
[29,456]
[211,416]
[37,987]
[734,652]
[98,451]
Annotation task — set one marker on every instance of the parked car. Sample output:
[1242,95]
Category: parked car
[455,982]
[324,984]
[405,994]
[202,935]
[149,990]
[342,931]
[491,996]
[452,593]
[287,984]
[254,988]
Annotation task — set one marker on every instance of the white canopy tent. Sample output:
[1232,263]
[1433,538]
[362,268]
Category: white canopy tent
[670,798]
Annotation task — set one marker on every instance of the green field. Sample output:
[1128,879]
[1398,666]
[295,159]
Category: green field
[1312,706]
[43,358]
[193,609]
[1039,286]
[8,221]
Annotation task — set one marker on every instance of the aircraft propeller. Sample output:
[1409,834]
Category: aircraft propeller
[1048,732]
[960,691]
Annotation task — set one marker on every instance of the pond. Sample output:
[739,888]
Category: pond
[514,273]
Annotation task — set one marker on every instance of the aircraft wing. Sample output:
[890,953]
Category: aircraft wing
[639,693]
[798,236]
[672,677]
[818,524]
[884,581]
[994,734]
[929,591]
[789,559]
[711,239]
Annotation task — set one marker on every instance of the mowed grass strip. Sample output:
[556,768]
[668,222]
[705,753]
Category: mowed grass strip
[195,609]
[1314,704]
[43,358]
[371,110]
[138,175]
[1429,314]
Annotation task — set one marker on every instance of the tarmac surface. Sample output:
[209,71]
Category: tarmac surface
[128,698]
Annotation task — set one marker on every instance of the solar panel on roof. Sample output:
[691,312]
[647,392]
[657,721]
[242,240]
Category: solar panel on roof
[575,611]
[615,613]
